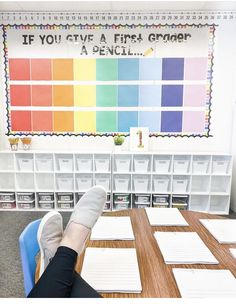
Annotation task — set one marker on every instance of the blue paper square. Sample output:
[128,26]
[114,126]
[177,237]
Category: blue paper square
[151,120]
[128,69]
[128,96]
[171,121]
[172,68]
[126,120]
[172,96]
[150,95]
[150,68]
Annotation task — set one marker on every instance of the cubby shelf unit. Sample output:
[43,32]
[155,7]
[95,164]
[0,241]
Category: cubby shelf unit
[36,180]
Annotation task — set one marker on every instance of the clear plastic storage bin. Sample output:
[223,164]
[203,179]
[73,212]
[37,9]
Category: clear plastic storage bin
[122,164]
[161,184]
[141,183]
[25,196]
[84,182]
[65,164]
[181,164]
[102,164]
[46,197]
[46,204]
[103,180]
[180,202]
[162,164]
[180,184]
[141,164]
[220,164]
[65,204]
[26,204]
[7,204]
[161,201]
[121,183]
[44,164]
[84,164]
[200,164]
[65,183]
[25,164]
[7,196]
[65,196]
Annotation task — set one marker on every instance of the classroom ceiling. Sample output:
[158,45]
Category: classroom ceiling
[102,6]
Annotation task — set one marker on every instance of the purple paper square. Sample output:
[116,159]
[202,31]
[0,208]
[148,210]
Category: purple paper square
[195,69]
[195,95]
[171,121]
[172,68]
[194,121]
[172,96]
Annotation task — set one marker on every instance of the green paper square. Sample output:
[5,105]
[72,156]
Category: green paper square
[107,69]
[106,96]
[106,121]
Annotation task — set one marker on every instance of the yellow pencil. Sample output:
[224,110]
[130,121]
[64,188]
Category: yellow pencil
[148,52]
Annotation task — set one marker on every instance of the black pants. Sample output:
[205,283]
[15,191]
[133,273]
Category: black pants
[60,280]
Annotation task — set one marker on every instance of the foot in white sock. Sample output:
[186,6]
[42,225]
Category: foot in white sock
[83,218]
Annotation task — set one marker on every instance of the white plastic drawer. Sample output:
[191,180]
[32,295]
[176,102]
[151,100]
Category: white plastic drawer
[25,164]
[180,185]
[162,165]
[65,183]
[103,181]
[220,166]
[200,166]
[84,183]
[161,184]
[65,164]
[122,165]
[122,183]
[141,165]
[181,165]
[84,164]
[140,184]
[102,164]
[5,196]
[44,164]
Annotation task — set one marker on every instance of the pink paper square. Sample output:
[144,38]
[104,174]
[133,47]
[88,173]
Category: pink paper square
[195,95]
[195,68]
[193,122]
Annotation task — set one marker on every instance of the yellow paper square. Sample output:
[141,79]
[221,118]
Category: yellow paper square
[85,69]
[85,96]
[85,121]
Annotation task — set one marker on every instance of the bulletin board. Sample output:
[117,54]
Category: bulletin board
[99,80]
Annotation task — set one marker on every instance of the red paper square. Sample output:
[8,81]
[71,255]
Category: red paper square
[41,69]
[21,121]
[19,69]
[42,121]
[20,95]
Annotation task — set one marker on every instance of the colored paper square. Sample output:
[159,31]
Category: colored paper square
[126,120]
[172,96]
[85,95]
[195,95]
[85,69]
[106,121]
[150,95]
[151,120]
[172,68]
[106,95]
[195,69]
[128,69]
[20,95]
[41,95]
[107,69]
[194,122]
[171,121]
[128,95]
[63,96]
[63,121]
[85,122]
[42,121]
[21,121]
[41,69]
[19,69]
[150,69]
[62,69]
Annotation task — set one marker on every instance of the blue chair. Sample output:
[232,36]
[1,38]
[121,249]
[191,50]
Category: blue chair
[29,248]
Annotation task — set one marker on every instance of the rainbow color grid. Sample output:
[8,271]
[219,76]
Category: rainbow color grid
[170,96]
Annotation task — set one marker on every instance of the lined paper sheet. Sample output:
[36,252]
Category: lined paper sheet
[224,231]
[233,252]
[113,228]
[165,217]
[184,248]
[205,283]
[112,270]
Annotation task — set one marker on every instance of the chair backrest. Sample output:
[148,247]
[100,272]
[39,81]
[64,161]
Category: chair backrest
[28,250]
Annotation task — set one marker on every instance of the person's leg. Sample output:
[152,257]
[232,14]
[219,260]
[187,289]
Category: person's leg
[59,277]
[81,289]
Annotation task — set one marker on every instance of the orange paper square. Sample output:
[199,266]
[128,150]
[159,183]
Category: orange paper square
[19,69]
[20,95]
[21,121]
[62,69]
[41,95]
[42,121]
[63,96]
[41,69]
[63,121]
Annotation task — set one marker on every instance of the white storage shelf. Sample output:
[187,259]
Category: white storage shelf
[203,180]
